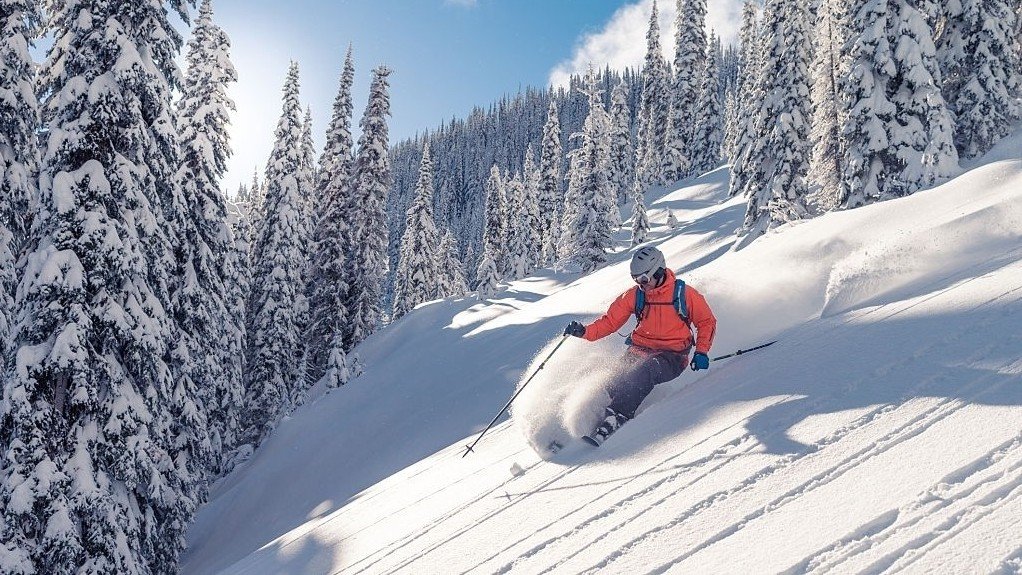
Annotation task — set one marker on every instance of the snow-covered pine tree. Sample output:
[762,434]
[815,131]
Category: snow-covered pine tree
[337,372]
[672,221]
[551,158]
[258,201]
[242,196]
[622,151]
[88,484]
[277,301]
[640,220]
[689,72]
[418,274]
[898,129]
[211,332]
[19,154]
[452,273]
[329,270]
[729,142]
[369,220]
[495,231]
[530,211]
[238,284]
[487,277]
[519,236]
[826,166]
[510,204]
[569,210]
[706,141]
[19,164]
[750,96]
[310,173]
[654,108]
[981,71]
[593,227]
[779,159]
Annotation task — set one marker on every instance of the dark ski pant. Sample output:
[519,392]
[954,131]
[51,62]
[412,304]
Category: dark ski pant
[643,370]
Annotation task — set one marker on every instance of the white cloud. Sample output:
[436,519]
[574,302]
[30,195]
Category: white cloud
[622,41]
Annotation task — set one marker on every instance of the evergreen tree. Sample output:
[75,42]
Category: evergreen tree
[88,484]
[452,274]
[369,231]
[212,332]
[672,222]
[238,283]
[779,159]
[275,308]
[640,220]
[255,208]
[329,270]
[487,277]
[826,166]
[550,184]
[594,222]
[495,232]
[689,71]
[622,151]
[898,128]
[337,371]
[654,108]
[981,71]
[417,273]
[530,220]
[729,143]
[706,141]
[750,97]
[567,244]
[519,230]
[309,173]
[487,274]
[19,163]
[19,156]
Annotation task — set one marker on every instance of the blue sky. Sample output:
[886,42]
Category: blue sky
[447,55]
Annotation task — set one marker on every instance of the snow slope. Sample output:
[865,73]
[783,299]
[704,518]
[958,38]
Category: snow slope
[883,432]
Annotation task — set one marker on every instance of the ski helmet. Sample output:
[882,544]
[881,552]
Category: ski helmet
[647,264]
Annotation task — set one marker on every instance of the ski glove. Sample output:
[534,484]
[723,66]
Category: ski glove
[576,329]
[700,361]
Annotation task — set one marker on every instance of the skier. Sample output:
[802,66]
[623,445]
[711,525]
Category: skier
[659,344]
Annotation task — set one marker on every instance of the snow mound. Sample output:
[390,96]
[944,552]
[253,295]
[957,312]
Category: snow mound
[566,397]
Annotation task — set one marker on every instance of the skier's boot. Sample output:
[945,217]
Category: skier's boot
[611,422]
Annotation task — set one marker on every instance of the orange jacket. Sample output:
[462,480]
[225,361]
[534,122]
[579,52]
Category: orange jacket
[661,327]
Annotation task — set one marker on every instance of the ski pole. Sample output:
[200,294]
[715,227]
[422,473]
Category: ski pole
[468,448]
[741,351]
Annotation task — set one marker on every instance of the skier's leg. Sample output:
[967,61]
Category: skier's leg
[633,385]
[636,381]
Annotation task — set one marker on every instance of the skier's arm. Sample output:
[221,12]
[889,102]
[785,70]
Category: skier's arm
[702,317]
[616,316]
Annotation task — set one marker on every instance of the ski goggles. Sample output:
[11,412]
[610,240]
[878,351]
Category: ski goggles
[648,277]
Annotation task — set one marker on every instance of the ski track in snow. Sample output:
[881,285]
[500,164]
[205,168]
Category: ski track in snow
[966,494]
[688,474]
[453,513]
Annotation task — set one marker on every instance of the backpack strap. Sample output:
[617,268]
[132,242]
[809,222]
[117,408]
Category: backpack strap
[679,299]
[640,303]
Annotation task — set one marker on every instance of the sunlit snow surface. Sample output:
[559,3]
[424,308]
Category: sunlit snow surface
[883,433]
